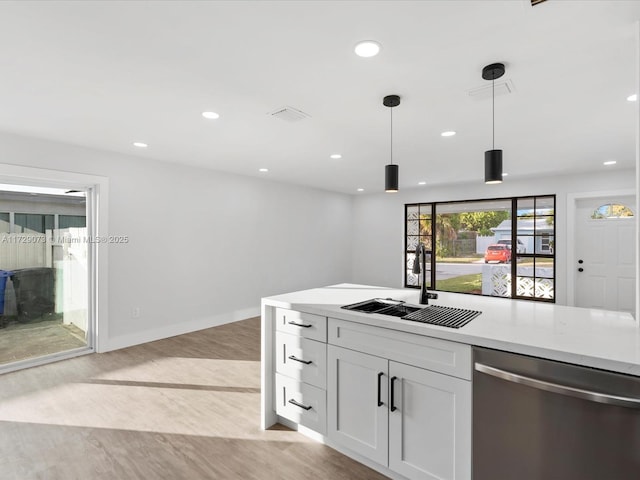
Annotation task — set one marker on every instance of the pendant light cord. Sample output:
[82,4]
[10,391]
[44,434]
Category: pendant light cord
[493,112]
[391,109]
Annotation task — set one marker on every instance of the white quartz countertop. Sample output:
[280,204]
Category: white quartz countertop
[589,337]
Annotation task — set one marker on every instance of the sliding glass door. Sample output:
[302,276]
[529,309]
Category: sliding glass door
[45,262]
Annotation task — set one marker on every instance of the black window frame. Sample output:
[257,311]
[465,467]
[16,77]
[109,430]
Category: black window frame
[431,207]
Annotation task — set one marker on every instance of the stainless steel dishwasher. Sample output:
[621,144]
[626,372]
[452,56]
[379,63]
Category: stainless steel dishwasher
[536,419]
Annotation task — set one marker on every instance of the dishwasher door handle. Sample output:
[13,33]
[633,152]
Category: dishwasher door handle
[598,397]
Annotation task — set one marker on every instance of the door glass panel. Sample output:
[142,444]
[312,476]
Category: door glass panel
[611,210]
[44,273]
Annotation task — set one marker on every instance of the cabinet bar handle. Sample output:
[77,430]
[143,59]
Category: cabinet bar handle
[303,325]
[392,404]
[306,362]
[380,374]
[304,407]
[598,397]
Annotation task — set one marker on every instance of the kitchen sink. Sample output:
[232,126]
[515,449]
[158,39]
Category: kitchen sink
[383,306]
[432,314]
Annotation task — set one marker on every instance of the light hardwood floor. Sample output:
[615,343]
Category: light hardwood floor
[187,407]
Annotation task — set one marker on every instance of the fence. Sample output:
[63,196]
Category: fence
[496,281]
[24,250]
[64,250]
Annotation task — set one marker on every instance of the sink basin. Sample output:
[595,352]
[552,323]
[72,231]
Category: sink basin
[432,314]
[383,306]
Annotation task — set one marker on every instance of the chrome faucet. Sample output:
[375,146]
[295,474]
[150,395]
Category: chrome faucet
[421,254]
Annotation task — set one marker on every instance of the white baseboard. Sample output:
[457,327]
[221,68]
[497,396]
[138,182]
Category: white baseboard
[174,329]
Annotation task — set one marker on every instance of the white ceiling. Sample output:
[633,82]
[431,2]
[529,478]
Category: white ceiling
[107,74]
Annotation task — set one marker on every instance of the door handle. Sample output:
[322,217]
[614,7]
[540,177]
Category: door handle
[392,405]
[380,402]
[303,325]
[297,404]
[306,362]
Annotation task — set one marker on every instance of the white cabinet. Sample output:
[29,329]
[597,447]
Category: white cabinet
[301,359]
[300,352]
[415,421]
[301,403]
[357,403]
[430,425]
[400,400]
[303,324]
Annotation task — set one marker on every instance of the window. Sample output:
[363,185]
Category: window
[72,221]
[535,271]
[33,223]
[5,223]
[478,247]
[418,230]
[611,210]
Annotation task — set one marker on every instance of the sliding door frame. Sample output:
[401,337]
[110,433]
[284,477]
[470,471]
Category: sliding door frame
[97,197]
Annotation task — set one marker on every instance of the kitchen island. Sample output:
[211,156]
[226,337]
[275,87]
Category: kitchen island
[343,376]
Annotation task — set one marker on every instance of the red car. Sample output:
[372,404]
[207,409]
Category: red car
[497,253]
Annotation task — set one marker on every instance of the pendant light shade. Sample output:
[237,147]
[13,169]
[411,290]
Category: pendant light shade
[391,178]
[493,166]
[391,171]
[493,158]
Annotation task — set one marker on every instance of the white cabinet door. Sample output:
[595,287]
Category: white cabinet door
[430,425]
[357,410]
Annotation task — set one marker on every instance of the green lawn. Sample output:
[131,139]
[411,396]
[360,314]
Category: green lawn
[462,284]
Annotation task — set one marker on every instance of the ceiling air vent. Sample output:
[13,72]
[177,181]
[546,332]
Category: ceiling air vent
[289,114]
[502,88]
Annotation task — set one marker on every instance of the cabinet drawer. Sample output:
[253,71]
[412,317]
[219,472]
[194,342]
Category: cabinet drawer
[302,359]
[305,325]
[310,407]
[442,356]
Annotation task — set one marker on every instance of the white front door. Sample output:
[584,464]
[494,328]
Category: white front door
[604,262]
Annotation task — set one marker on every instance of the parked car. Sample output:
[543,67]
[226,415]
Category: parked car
[497,252]
[520,248]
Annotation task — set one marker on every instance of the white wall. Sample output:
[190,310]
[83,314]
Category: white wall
[378,226]
[204,246]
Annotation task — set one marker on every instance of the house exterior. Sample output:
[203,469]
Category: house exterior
[537,235]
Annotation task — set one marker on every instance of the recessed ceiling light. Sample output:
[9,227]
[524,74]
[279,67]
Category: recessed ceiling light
[367,48]
[609,162]
[504,174]
[335,156]
[361,189]
[263,170]
[422,183]
[140,145]
[210,115]
[448,133]
[632,98]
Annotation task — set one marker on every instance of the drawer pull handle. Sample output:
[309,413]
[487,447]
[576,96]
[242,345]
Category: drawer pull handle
[303,325]
[392,405]
[306,362]
[304,407]
[380,374]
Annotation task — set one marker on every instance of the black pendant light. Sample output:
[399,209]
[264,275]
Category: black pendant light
[493,158]
[391,171]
